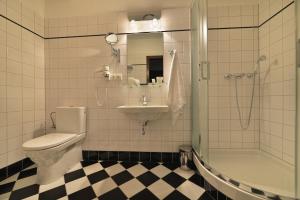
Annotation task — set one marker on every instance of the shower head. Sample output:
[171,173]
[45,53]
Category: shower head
[172,52]
[261,58]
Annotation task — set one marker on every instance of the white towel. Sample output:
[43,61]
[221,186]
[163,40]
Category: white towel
[133,82]
[176,94]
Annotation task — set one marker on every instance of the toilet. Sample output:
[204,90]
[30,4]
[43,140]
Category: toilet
[55,153]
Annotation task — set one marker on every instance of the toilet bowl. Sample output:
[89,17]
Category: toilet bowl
[55,153]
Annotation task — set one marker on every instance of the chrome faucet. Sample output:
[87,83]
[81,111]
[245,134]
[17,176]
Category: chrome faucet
[144,100]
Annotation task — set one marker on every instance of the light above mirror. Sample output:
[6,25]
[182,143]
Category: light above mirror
[149,17]
[144,16]
[145,22]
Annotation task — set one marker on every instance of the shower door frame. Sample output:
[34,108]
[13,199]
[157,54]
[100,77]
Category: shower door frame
[297,120]
[200,79]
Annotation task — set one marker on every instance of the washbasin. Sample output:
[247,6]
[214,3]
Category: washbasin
[142,109]
[144,113]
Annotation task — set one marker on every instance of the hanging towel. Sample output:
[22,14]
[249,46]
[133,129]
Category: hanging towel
[176,94]
[133,82]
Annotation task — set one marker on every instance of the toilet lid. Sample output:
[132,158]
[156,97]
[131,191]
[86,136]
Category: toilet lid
[48,141]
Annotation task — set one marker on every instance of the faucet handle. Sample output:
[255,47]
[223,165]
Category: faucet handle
[148,98]
[144,99]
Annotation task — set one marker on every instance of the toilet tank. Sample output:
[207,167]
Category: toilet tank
[71,119]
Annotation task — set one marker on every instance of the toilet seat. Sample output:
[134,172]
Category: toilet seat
[48,141]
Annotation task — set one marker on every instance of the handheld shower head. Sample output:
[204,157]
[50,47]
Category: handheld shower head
[261,58]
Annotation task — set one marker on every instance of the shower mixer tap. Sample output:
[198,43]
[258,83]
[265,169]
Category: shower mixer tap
[234,76]
[228,76]
[251,75]
[144,100]
[239,76]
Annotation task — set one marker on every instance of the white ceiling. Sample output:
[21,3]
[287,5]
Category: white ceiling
[69,8]
[65,8]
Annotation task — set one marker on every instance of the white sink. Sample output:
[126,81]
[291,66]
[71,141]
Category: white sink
[144,113]
[142,109]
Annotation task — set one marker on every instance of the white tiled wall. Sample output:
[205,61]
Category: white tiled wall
[277,84]
[22,91]
[70,64]
[232,16]
[232,51]
[171,19]
[267,8]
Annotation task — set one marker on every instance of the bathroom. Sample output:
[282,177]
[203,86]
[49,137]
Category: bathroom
[84,114]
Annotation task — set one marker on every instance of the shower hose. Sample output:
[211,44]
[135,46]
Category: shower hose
[246,126]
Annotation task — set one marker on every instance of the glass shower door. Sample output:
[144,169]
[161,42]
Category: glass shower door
[195,76]
[297,137]
[200,77]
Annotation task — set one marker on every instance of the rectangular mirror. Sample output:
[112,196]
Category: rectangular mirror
[145,58]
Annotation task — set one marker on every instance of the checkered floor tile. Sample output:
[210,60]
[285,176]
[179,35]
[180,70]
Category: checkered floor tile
[108,180]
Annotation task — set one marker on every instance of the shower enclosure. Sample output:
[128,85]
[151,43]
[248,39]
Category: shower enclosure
[244,93]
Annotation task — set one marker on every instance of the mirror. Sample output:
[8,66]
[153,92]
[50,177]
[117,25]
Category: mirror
[145,58]
[111,38]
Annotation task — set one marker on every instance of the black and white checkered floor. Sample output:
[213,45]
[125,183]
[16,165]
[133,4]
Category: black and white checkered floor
[108,180]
